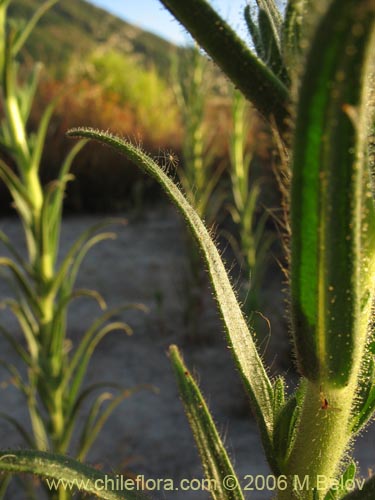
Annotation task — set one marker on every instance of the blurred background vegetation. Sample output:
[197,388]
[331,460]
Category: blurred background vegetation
[111,74]
[171,100]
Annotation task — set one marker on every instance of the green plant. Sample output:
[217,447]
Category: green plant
[332,255]
[199,177]
[143,89]
[308,433]
[44,287]
[254,242]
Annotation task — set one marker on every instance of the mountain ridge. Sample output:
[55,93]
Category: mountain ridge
[73,28]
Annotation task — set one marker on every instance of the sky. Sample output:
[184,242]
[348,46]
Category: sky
[151,16]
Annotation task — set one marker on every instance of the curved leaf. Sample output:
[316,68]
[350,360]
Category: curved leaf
[19,428]
[251,367]
[216,463]
[23,283]
[61,311]
[246,71]
[95,421]
[13,250]
[69,471]
[16,345]
[344,481]
[254,32]
[24,35]
[79,248]
[327,217]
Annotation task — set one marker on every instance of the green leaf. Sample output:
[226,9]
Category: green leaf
[39,426]
[274,15]
[244,69]
[329,169]
[366,412]
[365,492]
[61,308]
[286,427]
[77,251]
[13,250]
[36,154]
[250,365]
[80,255]
[272,50]
[341,488]
[85,350]
[22,282]
[19,428]
[4,483]
[90,333]
[76,370]
[27,93]
[96,420]
[20,312]
[71,414]
[216,463]
[254,32]
[16,378]
[27,30]
[19,193]
[14,124]
[48,465]
[279,395]
[16,345]
[292,35]
[57,201]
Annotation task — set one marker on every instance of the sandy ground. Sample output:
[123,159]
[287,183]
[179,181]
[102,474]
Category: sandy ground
[148,434]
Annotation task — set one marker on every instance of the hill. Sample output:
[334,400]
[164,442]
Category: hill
[75,28]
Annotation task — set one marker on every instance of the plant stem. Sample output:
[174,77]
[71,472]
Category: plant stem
[246,71]
[33,186]
[321,442]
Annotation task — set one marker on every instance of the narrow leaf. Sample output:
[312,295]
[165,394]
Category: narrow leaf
[85,241]
[21,314]
[346,479]
[273,13]
[365,492]
[246,71]
[71,413]
[279,395]
[272,50]
[366,412]
[250,365]
[16,188]
[22,282]
[216,463]
[329,168]
[48,465]
[40,138]
[57,202]
[254,32]
[15,345]
[292,35]
[24,35]
[19,428]
[13,250]
[286,426]
[28,92]
[95,423]
[61,311]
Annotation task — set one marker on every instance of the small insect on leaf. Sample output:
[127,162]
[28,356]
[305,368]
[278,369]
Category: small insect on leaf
[324,404]
[168,160]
